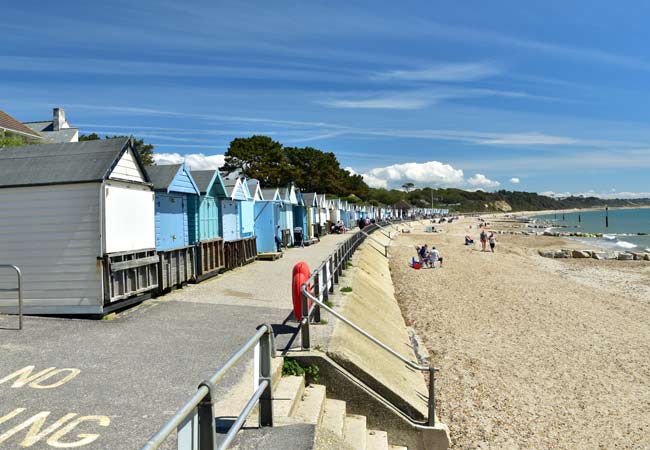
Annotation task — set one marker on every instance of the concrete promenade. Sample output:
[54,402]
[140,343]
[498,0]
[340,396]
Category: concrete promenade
[69,383]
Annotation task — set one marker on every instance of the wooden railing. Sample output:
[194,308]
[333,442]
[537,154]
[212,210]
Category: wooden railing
[210,258]
[240,252]
[176,268]
[128,274]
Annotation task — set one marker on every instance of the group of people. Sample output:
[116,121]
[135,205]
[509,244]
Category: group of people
[485,239]
[428,257]
[339,227]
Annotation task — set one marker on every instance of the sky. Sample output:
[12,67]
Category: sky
[546,96]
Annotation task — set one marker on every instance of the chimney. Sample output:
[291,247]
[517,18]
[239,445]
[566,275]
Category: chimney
[59,122]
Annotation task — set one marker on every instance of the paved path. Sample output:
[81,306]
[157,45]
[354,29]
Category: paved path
[118,381]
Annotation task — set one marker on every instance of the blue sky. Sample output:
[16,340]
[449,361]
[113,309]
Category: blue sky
[551,94]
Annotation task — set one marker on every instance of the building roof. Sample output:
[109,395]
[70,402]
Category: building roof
[203,178]
[64,163]
[162,176]
[46,129]
[9,123]
[309,198]
[402,205]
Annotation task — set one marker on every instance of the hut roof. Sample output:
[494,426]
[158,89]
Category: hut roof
[203,179]
[162,176]
[402,204]
[63,163]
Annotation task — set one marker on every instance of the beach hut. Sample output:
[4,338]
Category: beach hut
[237,212]
[78,220]
[301,216]
[310,201]
[204,223]
[267,219]
[231,209]
[289,200]
[175,192]
[323,214]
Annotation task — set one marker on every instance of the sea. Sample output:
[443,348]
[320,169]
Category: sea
[629,229]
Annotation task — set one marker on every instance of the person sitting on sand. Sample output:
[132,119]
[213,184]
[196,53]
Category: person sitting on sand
[434,256]
[483,240]
[493,241]
[469,240]
[422,253]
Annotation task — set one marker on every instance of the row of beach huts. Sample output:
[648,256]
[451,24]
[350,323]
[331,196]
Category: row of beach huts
[92,229]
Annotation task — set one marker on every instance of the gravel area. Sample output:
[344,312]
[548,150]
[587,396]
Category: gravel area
[535,353]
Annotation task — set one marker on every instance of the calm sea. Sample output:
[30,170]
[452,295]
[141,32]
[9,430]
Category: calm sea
[625,225]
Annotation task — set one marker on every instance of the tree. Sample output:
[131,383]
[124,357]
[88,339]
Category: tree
[258,157]
[144,150]
[408,186]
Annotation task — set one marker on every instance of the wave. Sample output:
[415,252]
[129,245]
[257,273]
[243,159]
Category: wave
[609,237]
[625,244]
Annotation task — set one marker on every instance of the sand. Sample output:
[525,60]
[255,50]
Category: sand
[535,353]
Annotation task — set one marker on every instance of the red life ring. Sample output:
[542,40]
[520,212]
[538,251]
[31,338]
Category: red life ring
[301,274]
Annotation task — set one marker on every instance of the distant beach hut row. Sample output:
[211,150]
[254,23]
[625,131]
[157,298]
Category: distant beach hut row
[93,229]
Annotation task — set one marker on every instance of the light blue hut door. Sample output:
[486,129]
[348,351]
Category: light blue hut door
[171,226]
[231,220]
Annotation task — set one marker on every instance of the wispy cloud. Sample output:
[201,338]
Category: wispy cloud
[195,161]
[416,99]
[480,180]
[444,72]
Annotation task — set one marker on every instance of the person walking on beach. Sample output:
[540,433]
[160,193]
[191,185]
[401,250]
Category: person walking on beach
[278,239]
[483,240]
[493,241]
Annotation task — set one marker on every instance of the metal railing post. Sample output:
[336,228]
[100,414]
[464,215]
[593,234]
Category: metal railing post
[266,354]
[304,323]
[336,263]
[317,290]
[334,277]
[19,274]
[325,281]
[205,413]
[341,261]
[432,397]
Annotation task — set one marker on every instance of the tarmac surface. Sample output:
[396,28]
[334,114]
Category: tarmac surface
[110,384]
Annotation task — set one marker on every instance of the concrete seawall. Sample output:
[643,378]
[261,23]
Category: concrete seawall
[373,307]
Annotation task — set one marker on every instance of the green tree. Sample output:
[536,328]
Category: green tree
[259,157]
[408,186]
[144,150]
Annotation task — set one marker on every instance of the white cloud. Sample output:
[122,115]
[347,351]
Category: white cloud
[515,180]
[480,180]
[388,102]
[196,161]
[444,72]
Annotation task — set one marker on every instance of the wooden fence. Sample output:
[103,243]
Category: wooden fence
[210,258]
[129,274]
[240,252]
[176,267]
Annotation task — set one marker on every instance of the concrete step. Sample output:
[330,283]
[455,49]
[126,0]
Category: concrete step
[287,396]
[310,409]
[355,433]
[376,440]
[334,416]
[396,447]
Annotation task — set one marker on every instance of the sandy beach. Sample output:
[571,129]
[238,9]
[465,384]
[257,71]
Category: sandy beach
[535,353]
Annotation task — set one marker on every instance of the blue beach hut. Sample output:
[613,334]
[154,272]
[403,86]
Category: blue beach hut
[175,190]
[204,213]
[300,215]
[237,211]
[267,219]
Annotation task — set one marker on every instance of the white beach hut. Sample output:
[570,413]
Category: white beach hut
[78,220]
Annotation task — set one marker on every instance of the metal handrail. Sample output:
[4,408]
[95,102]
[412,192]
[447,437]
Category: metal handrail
[377,242]
[314,310]
[18,289]
[202,400]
